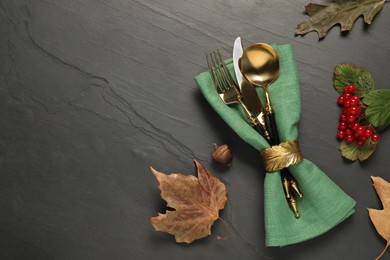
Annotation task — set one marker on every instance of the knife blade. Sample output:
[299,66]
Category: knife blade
[237,54]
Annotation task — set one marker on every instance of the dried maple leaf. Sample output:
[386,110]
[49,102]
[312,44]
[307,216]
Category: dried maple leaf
[343,12]
[197,202]
[380,218]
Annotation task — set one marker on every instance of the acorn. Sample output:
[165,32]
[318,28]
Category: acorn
[222,154]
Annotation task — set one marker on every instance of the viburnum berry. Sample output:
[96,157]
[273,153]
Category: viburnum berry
[347,103]
[348,132]
[375,138]
[349,138]
[349,89]
[356,98]
[342,118]
[359,143]
[359,111]
[353,102]
[342,126]
[353,111]
[340,100]
[350,119]
[354,126]
[368,132]
[347,96]
[340,134]
[359,130]
[362,138]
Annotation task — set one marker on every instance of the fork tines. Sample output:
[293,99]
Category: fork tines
[219,72]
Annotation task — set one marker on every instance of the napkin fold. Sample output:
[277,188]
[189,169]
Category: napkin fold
[324,204]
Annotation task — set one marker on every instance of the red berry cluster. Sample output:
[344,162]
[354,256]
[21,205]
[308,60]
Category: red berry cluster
[350,127]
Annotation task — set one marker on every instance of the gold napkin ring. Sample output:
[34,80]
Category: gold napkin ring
[281,156]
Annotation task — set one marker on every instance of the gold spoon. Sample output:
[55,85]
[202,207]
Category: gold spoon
[260,66]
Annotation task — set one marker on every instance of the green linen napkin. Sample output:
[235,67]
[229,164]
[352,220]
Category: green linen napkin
[324,204]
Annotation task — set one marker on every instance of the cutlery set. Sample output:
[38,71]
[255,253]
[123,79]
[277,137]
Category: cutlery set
[256,66]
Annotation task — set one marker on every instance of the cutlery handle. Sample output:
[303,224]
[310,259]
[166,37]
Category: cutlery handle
[260,130]
[273,129]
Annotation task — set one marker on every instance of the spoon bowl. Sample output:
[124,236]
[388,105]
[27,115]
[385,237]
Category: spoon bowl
[260,64]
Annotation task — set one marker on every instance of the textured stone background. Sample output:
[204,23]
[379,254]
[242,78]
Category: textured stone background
[94,92]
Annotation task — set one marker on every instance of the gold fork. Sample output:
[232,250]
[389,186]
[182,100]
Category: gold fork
[228,90]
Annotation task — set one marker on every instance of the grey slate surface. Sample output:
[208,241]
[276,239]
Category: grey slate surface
[94,92]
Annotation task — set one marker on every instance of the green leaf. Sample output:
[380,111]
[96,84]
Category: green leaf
[345,74]
[353,152]
[378,108]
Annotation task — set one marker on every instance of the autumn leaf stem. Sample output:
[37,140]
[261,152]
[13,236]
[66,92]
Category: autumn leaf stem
[384,250]
[228,229]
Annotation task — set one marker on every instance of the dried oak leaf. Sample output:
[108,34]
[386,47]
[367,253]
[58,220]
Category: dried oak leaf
[197,202]
[343,12]
[380,218]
